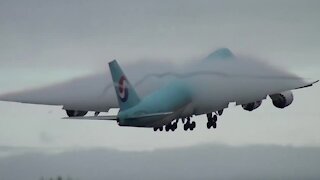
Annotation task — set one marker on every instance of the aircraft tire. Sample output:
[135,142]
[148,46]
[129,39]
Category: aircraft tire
[175,125]
[185,127]
[193,124]
[209,125]
[214,125]
[215,118]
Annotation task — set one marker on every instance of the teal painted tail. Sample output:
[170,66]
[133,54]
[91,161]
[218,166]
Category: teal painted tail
[126,95]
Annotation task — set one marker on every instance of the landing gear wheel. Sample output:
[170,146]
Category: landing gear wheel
[175,126]
[167,128]
[160,128]
[209,124]
[215,118]
[214,125]
[212,120]
[193,124]
[155,129]
[185,127]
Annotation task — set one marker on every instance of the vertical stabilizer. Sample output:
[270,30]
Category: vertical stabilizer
[126,95]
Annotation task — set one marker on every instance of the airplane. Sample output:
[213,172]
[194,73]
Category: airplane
[160,99]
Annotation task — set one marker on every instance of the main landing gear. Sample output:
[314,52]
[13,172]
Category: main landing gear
[158,128]
[212,119]
[190,125]
[171,126]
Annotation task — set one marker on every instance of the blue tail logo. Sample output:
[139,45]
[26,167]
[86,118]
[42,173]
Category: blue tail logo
[123,92]
[123,87]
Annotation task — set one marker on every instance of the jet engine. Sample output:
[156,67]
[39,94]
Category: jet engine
[282,100]
[251,106]
[74,113]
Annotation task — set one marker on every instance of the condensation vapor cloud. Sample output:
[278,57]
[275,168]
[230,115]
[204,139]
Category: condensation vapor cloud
[221,66]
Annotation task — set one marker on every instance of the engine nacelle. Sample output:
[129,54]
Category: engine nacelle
[74,113]
[282,100]
[251,106]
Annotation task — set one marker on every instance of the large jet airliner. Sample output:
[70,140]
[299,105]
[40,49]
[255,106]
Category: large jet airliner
[161,98]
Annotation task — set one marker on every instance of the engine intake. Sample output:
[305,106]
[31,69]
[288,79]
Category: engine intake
[282,100]
[251,106]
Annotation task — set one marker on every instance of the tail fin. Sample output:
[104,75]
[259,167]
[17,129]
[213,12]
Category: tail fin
[127,96]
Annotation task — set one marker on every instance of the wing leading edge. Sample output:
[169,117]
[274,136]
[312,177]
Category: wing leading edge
[308,85]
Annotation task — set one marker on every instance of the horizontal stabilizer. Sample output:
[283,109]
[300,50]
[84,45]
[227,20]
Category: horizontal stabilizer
[162,114]
[114,118]
[103,118]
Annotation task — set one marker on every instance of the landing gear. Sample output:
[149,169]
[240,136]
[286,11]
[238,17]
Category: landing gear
[189,125]
[157,128]
[168,127]
[212,121]
[171,126]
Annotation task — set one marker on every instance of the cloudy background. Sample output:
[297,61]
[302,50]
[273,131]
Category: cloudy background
[43,42]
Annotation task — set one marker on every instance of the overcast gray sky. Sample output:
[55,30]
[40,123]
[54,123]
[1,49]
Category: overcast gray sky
[42,42]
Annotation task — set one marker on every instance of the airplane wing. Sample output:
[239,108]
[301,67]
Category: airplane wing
[92,93]
[212,80]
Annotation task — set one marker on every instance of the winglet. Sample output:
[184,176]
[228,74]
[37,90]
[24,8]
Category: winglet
[126,95]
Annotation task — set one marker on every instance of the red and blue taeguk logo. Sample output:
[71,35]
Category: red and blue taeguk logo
[122,89]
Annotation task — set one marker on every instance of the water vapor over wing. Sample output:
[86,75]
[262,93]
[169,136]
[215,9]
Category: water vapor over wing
[222,66]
